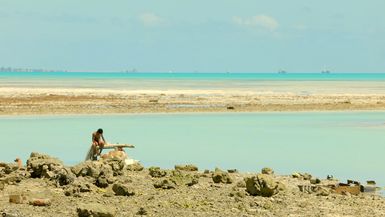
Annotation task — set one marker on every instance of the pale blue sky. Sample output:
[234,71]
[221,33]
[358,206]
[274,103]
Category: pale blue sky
[194,35]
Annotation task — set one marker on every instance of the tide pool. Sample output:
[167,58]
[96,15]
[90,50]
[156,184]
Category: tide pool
[344,144]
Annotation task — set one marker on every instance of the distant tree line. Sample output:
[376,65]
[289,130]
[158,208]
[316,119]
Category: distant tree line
[10,69]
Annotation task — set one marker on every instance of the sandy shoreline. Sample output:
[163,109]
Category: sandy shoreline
[27,101]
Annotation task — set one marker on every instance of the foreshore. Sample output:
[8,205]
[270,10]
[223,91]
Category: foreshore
[46,187]
[38,101]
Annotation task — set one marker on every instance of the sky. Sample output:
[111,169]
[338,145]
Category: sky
[194,35]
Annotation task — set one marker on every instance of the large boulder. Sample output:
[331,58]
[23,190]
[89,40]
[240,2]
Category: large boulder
[43,166]
[95,210]
[220,176]
[262,185]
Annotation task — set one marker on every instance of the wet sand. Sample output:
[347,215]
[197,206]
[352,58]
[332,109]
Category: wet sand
[20,101]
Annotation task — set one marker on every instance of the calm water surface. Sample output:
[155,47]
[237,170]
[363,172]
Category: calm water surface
[344,144]
[299,83]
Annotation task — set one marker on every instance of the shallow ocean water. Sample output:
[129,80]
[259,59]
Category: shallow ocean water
[344,144]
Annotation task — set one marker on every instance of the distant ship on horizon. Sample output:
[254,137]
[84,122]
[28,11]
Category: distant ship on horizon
[282,72]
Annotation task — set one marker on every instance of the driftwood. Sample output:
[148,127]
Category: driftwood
[112,146]
[90,153]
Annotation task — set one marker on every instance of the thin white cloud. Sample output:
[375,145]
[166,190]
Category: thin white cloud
[150,19]
[259,21]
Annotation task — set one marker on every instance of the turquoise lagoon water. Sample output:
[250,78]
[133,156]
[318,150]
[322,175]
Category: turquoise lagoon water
[199,76]
[343,144]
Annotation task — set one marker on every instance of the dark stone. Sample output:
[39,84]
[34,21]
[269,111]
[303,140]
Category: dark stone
[232,170]
[141,211]
[122,190]
[101,182]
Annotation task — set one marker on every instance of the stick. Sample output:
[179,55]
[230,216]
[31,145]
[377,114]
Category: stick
[112,146]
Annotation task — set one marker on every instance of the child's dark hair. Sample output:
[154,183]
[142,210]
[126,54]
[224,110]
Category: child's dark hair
[100,130]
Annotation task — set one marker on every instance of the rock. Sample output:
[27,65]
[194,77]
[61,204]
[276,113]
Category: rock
[2,185]
[106,171]
[9,168]
[122,190]
[101,182]
[188,167]
[77,187]
[81,169]
[64,177]
[318,190]
[241,184]
[220,176]
[323,191]
[95,210]
[157,172]
[89,168]
[267,171]
[18,198]
[315,181]
[164,184]
[135,167]
[232,170]
[12,179]
[306,176]
[206,171]
[180,178]
[240,194]
[41,165]
[262,185]
[281,186]
[117,165]
[141,211]
[40,202]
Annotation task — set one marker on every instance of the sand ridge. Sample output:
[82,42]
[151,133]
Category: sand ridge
[18,101]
